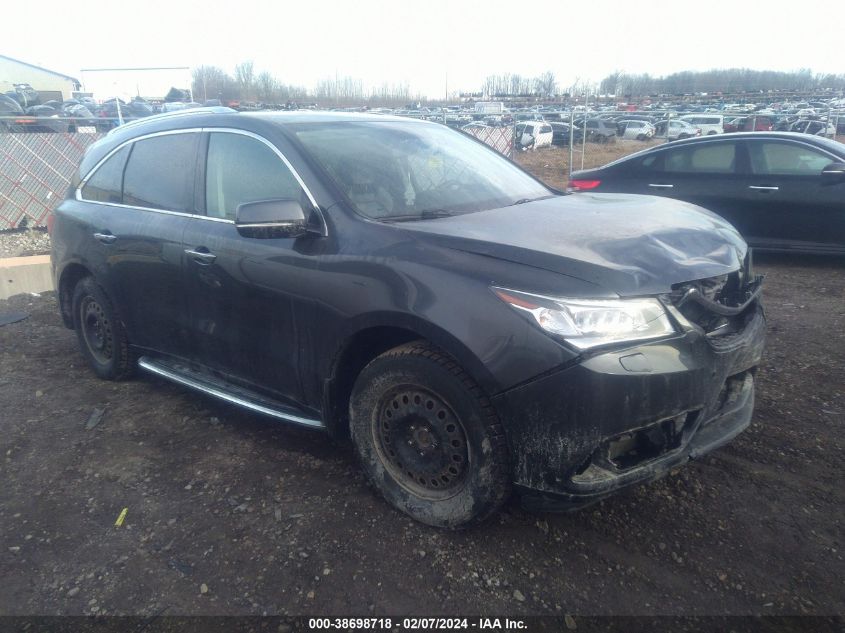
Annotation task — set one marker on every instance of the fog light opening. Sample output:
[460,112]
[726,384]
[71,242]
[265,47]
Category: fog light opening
[632,449]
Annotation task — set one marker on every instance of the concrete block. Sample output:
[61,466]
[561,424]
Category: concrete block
[25,274]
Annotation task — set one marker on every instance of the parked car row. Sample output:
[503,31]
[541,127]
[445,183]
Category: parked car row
[597,126]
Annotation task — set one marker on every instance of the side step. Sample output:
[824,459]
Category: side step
[218,388]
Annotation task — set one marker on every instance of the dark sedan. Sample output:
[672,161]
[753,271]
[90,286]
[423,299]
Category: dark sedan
[782,191]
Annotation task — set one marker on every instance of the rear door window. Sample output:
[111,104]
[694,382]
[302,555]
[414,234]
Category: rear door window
[786,159]
[106,183]
[160,172]
[243,169]
[710,158]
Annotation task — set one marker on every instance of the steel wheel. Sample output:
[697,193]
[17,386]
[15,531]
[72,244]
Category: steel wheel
[96,329]
[100,332]
[428,438]
[422,442]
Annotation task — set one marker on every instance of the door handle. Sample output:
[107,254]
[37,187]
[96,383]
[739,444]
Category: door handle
[656,186]
[105,238]
[201,257]
[755,188]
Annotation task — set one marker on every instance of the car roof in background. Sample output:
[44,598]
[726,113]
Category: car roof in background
[829,144]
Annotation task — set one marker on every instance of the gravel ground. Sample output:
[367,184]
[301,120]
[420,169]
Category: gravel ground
[229,513]
[19,243]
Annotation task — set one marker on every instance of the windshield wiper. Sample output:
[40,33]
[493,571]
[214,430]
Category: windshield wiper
[524,200]
[428,214]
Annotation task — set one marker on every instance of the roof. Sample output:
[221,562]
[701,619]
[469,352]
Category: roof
[46,70]
[279,118]
[318,116]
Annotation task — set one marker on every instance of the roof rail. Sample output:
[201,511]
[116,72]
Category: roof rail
[177,113]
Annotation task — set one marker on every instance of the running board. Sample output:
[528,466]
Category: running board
[217,388]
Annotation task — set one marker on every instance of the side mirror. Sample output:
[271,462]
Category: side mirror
[833,173]
[279,217]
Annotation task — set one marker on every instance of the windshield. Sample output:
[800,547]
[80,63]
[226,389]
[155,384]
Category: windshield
[405,170]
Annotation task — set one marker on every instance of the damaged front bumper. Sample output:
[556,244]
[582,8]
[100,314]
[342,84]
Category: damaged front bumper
[620,418]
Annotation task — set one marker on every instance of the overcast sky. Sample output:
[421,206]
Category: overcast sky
[422,42]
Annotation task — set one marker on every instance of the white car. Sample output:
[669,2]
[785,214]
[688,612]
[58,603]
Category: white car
[818,128]
[708,123]
[534,134]
[677,130]
[634,129]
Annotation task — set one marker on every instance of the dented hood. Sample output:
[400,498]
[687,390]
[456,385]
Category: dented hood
[629,244]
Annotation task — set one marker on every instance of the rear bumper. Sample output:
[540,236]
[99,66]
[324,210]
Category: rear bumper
[626,417]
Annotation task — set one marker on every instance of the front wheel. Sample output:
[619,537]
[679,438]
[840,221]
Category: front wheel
[428,438]
[102,338]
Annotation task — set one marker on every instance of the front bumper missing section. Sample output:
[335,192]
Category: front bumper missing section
[601,478]
[624,418]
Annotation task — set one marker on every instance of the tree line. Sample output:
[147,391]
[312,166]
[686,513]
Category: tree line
[246,84]
[728,81]
[212,82]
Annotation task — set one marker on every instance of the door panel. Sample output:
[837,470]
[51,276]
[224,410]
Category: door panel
[145,268]
[705,174]
[245,293]
[788,200]
[139,250]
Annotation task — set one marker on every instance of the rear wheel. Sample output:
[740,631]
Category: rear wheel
[102,338]
[428,438]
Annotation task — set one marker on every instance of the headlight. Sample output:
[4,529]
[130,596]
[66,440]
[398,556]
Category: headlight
[586,323]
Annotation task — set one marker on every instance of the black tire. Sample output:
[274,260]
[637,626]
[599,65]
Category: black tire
[415,403]
[100,332]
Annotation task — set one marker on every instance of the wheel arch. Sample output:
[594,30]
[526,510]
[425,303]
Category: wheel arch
[69,277]
[367,342]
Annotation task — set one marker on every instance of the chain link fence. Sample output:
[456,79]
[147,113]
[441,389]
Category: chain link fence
[37,167]
[36,171]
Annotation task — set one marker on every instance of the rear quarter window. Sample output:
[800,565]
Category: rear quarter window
[106,183]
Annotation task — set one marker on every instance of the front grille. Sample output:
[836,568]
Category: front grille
[718,305]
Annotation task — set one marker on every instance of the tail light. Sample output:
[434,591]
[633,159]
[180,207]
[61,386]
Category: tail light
[51,220]
[583,185]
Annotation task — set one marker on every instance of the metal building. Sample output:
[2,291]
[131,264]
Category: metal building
[48,83]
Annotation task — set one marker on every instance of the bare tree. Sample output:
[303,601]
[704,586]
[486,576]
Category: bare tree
[268,87]
[245,76]
[546,85]
[211,82]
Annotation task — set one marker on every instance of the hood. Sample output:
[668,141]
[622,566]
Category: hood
[629,244]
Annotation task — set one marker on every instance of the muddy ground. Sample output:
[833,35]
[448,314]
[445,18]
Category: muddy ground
[230,513]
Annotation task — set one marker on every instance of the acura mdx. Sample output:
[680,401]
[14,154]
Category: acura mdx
[401,284]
